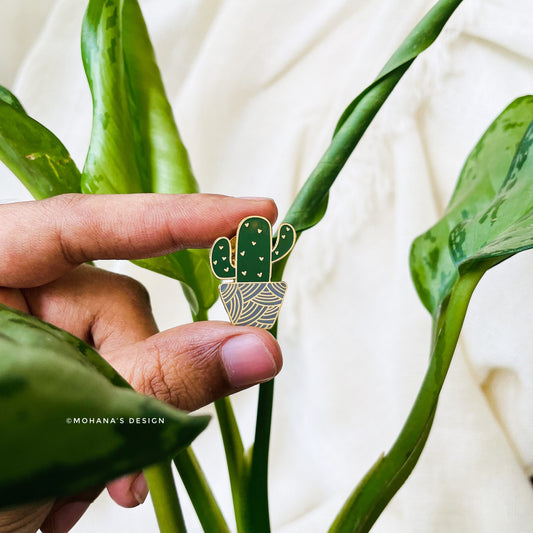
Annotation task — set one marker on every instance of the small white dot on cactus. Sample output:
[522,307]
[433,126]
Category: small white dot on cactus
[261,258]
[259,274]
[224,258]
[221,247]
[226,269]
[242,253]
[215,262]
[246,224]
[283,236]
[244,272]
[253,243]
[259,230]
[276,252]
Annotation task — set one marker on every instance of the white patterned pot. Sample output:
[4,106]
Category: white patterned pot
[253,304]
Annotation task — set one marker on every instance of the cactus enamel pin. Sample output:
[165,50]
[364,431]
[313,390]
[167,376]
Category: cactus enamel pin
[248,295]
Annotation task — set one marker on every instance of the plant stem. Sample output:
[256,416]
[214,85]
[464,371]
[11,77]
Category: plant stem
[371,496]
[165,498]
[200,316]
[256,510]
[200,493]
[234,450]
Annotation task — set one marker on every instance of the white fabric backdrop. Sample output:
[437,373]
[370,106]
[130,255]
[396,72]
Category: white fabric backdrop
[257,88]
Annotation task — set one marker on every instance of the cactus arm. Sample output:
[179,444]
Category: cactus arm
[285,242]
[221,259]
[253,249]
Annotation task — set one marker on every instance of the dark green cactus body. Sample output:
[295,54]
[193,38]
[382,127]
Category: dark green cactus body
[253,251]
[221,259]
[285,242]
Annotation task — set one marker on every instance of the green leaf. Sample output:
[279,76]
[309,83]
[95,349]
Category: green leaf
[111,164]
[191,267]
[310,204]
[135,145]
[9,98]
[505,226]
[489,218]
[33,153]
[48,376]
[433,268]
[162,155]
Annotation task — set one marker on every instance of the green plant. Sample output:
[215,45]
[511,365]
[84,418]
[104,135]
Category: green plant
[135,147]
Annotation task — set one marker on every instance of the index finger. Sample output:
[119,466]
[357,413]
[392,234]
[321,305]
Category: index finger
[40,241]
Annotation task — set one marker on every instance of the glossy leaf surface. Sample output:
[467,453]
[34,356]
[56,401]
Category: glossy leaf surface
[478,196]
[33,153]
[489,218]
[48,379]
[135,145]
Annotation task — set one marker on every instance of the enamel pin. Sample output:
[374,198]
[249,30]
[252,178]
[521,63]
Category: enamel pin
[245,265]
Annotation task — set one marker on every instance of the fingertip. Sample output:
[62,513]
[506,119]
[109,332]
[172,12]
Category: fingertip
[139,489]
[272,345]
[250,358]
[128,491]
[266,207]
[193,365]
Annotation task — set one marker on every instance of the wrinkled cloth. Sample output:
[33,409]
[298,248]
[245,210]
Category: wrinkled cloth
[257,88]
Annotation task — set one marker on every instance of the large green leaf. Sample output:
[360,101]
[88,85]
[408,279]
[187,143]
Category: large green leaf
[433,268]
[505,226]
[311,202]
[489,218]
[135,145]
[49,382]
[33,153]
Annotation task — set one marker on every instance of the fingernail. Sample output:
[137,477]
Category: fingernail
[140,488]
[247,360]
[255,198]
[65,517]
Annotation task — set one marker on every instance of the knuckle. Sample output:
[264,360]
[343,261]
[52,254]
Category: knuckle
[150,378]
[131,290]
[182,380]
[65,209]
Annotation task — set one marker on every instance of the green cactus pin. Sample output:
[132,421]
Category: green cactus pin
[253,299]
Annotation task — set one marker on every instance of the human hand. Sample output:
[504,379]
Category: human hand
[43,246]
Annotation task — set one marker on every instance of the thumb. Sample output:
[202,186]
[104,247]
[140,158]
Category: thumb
[191,366]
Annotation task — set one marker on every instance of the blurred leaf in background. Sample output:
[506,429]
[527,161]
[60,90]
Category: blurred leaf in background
[48,380]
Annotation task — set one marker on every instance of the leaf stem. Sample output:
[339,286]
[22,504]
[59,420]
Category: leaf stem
[371,496]
[256,513]
[165,498]
[256,510]
[234,450]
[199,492]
